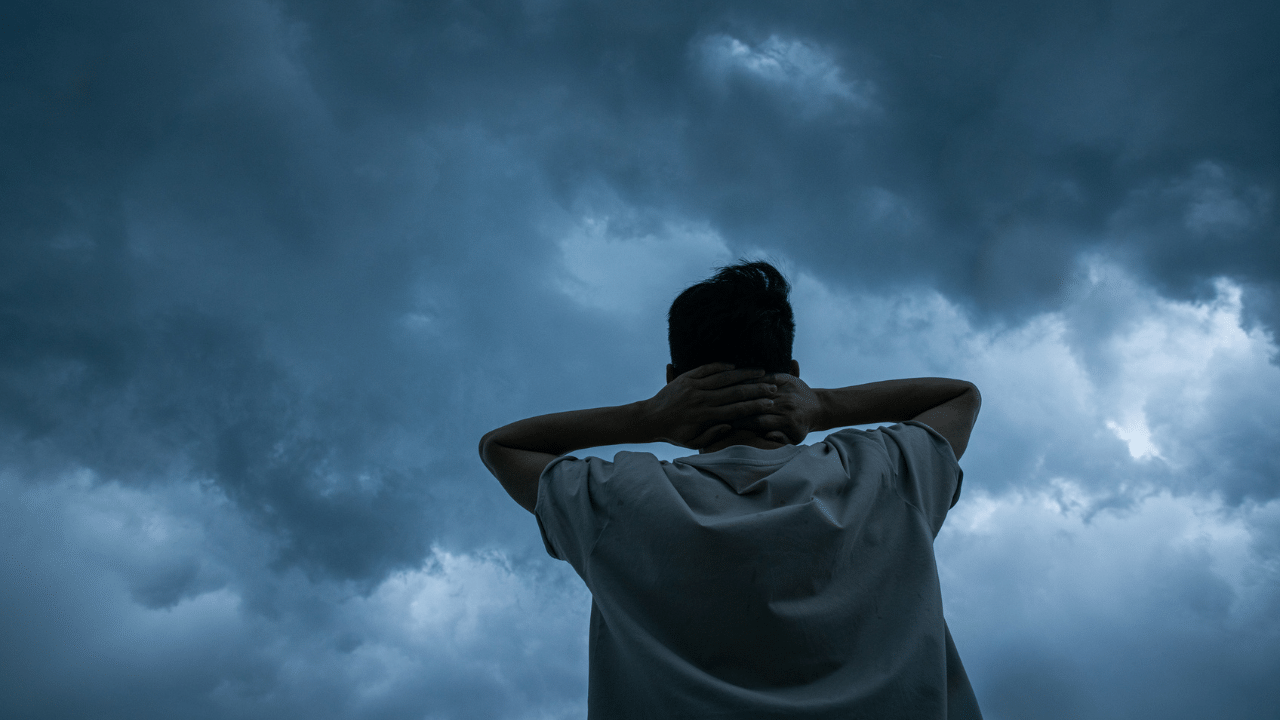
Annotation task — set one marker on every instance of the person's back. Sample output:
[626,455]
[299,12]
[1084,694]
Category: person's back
[762,579]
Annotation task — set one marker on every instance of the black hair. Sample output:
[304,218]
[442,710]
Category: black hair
[740,315]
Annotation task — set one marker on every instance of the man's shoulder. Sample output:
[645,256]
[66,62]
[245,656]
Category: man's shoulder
[915,436]
[623,462]
[861,439]
[906,433]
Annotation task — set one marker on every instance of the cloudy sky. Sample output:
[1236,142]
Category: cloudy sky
[268,270]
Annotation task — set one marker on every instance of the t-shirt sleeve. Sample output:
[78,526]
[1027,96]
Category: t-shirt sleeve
[570,510]
[928,474]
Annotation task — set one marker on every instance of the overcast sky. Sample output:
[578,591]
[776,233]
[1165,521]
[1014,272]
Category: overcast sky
[268,271]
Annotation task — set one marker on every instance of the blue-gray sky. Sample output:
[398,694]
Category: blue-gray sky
[268,270]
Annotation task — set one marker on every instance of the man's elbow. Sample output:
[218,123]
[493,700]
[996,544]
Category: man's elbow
[968,404]
[486,449]
[974,399]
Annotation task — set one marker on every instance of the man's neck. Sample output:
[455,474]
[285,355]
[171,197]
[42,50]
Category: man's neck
[741,437]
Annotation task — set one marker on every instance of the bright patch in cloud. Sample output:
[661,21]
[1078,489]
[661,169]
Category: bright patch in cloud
[1164,358]
[804,73]
[1136,435]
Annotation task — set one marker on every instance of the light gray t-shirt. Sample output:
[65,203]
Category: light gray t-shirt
[797,582]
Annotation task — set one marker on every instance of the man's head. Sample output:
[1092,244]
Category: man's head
[740,315]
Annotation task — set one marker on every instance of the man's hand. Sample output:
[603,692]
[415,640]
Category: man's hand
[699,407]
[796,411]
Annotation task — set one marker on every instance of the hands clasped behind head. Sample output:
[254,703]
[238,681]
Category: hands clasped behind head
[793,415]
[701,406]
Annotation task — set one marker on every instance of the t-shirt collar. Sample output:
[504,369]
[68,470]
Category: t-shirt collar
[739,456]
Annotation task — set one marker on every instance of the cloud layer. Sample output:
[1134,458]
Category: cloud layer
[268,270]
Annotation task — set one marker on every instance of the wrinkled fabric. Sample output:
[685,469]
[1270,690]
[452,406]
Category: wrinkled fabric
[797,582]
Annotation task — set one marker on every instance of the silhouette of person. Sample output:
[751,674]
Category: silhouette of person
[760,578]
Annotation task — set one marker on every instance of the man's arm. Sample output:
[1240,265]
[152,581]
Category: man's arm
[692,411]
[948,406]
[954,419]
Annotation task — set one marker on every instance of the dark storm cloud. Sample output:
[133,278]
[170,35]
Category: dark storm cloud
[1014,135]
[1018,134]
[258,186]
[202,274]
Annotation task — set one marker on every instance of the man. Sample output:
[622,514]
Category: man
[760,578]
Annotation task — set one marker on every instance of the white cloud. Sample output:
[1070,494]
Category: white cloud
[465,633]
[803,73]
[1047,573]
[1071,549]
[456,601]
[1168,361]
[1116,360]
[469,619]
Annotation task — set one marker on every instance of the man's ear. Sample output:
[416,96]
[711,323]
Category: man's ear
[795,368]
[671,372]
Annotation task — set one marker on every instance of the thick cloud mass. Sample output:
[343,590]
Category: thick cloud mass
[268,270]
